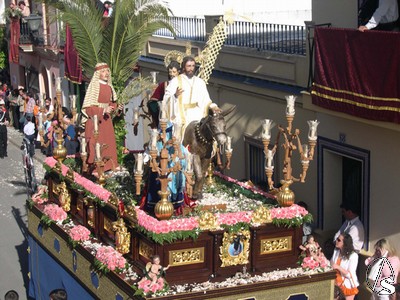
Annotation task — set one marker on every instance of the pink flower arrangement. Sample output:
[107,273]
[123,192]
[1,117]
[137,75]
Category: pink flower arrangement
[311,263]
[87,184]
[55,212]
[79,233]
[165,226]
[38,197]
[235,217]
[243,185]
[51,162]
[111,258]
[149,288]
[294,211]
[92,187]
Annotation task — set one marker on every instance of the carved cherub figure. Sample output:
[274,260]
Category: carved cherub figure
[154,270]
[312,249]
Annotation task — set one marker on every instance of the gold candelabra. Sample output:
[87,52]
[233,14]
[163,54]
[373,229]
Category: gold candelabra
[60,152]
[291,143]
[219,156]
[159,163]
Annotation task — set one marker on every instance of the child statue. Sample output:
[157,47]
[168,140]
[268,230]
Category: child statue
[154,270]
[312,249]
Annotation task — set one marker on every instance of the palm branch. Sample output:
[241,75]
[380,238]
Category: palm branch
[117,42]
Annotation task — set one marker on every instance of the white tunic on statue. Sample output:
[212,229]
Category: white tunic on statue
[192,104]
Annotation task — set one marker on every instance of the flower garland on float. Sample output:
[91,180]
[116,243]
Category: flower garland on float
[169,230]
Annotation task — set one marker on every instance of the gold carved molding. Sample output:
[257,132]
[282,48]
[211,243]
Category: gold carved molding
[122,236]
[64,197]
[275,245]
[261,215]
[108,225]
[208,221]
[235,248]
[186,256]
[145,250]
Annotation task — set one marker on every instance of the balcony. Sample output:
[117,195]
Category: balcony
[290,39]
[30,31]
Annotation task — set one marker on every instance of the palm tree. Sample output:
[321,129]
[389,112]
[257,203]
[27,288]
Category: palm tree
[117,40]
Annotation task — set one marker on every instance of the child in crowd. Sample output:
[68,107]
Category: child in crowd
[29,133]
[70,140]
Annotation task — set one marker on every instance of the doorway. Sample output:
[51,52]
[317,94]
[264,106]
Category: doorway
[343,176]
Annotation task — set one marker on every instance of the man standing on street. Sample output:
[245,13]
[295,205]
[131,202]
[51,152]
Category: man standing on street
[4,120]
[352,226]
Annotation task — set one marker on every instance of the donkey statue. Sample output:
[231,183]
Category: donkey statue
[200,136]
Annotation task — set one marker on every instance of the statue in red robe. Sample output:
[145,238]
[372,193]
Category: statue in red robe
[98,109]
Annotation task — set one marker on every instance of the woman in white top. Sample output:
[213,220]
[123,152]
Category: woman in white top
[344,261]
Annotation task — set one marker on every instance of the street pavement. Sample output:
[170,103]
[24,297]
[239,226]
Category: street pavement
[13,217]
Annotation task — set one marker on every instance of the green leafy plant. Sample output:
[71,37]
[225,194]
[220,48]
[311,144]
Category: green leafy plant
[74,163]
[100,267]
[233,190]
[294,222]
[117,40]
[46,221]
[12,13]
[72,243]
[162,238]
[124,188]
[3,49]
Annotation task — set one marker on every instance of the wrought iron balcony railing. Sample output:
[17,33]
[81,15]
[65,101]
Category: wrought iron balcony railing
[289,39]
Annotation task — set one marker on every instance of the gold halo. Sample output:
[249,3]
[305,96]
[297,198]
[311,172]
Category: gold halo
[173,55]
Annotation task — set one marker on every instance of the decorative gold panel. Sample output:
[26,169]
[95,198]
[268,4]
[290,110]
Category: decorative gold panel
[60,191]
[275,245]
[145,250]
[108,226]
[235,248]
[186,256]
[122,236]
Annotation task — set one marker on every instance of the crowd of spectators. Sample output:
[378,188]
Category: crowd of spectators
[37,121]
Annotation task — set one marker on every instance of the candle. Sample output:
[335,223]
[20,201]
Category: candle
[98,153]
[96,123]
[177,130]
[290,105]
[189,161]
[83,145]
[73,101]
[228,143]
[139,166]
[305,151]
[270,157]
[40,121]
[58,83]
[154,137]
[154,76]
[41,102]
[267,125]
[172,110]
[312,132]
[164,110]
[136,115]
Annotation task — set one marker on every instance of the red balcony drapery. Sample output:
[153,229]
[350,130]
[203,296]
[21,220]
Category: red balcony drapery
[358,73]
[73,70]
[13,54]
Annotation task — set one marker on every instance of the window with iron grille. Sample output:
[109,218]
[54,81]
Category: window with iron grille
[255,162]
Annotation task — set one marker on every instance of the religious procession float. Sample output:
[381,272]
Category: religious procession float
[172,226]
